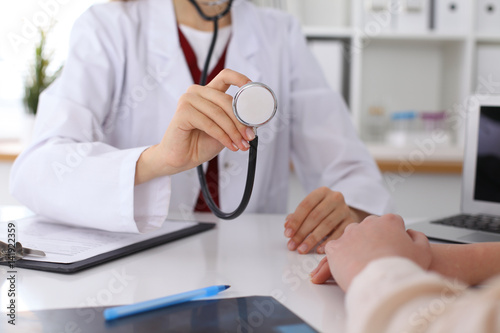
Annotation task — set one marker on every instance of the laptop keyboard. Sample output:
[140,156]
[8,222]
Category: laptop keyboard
[476,222]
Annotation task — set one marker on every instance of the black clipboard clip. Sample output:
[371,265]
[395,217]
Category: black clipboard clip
[7,253]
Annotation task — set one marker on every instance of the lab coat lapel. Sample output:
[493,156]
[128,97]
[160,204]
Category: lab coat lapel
[166,59]
[244,42]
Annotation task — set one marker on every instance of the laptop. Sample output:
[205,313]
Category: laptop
[479,220]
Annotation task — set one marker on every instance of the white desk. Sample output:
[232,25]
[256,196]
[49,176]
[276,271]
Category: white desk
[248,253]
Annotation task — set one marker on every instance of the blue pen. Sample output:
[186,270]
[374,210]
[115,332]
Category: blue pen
[127,310]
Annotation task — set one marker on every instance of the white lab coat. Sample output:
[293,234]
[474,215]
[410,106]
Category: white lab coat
[119,90]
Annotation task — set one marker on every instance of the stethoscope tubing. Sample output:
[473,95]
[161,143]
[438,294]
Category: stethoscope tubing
[252,160]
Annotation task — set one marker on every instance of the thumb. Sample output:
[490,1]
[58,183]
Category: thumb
[418,237]
[321,273]
[424,256]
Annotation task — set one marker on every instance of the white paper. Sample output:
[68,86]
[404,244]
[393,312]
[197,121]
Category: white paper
[66,244]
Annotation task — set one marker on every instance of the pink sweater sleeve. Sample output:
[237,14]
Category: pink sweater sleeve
[395,295]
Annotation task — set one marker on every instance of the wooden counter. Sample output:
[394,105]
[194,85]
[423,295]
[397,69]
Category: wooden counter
[432,159]
[9,150]
[426,167]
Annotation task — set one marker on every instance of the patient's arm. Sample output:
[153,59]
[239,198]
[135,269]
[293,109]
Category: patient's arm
[471,263]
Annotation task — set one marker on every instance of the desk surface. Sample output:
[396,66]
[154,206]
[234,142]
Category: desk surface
[248,253]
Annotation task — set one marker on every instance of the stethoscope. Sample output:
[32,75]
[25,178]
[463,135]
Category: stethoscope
[254,105]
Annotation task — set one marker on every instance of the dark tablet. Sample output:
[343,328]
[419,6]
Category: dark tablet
[245,314]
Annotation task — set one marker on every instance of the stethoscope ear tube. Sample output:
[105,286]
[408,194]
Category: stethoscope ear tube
[214,17]
[252,162]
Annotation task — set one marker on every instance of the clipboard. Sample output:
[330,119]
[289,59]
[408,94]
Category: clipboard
[73,267]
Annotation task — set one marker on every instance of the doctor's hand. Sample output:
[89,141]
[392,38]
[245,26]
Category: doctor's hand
[203,124]
[374,238]
[321,216]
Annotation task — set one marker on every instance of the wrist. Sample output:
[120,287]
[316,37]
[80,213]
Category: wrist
[149,166]
[358,215]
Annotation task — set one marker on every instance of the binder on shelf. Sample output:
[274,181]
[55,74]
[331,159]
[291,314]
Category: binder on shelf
[377,17]
[488,69]
[488,17]
[406,16]
[324,12]
[412,16]
[452,16]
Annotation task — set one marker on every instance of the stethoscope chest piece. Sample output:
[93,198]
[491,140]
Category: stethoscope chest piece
[255,104]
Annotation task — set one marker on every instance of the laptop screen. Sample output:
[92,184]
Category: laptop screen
[487,182]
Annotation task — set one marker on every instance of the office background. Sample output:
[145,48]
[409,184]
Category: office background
[404,67]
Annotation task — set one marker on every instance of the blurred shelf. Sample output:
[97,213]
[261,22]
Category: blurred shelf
[348,32]
[426,167]
[417,159]
[386,152]
[328,32]
[428,36]
[9,150]
[486,38]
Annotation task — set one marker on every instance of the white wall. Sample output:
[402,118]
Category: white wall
[5,198]
[428,195]
[19,21]
[417,196]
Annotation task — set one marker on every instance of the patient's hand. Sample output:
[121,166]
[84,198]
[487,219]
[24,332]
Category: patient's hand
[374,238]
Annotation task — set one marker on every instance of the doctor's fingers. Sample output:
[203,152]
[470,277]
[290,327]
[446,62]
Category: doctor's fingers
[304,239]
[205,109]
[294,220]
[227,78]
[327,228]
[193,119]
[339,231]
[224,102]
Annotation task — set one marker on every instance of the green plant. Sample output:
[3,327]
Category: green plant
[38,79]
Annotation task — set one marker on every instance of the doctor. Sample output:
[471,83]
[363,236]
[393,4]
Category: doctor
[119,133]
